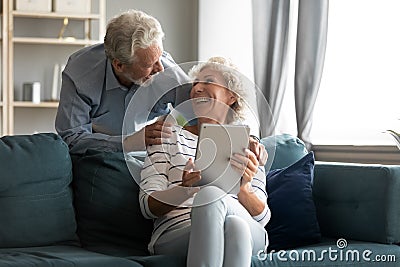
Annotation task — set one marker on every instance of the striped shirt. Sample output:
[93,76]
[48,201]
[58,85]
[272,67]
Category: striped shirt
[163,169]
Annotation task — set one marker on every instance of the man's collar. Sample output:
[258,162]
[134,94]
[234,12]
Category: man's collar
[111,79]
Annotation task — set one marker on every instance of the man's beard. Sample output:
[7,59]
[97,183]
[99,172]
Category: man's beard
[143,83]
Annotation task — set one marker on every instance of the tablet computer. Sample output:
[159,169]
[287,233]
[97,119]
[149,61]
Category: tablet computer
[215,146]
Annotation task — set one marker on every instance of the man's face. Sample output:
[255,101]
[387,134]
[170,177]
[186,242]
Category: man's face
[147,63]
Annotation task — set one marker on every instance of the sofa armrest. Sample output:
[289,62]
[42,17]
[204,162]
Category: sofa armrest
[358,201]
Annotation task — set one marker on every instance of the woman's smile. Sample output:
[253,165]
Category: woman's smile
[201,100]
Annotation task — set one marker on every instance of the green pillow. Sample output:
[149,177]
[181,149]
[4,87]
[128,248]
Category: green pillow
[107,203]
[35,194]
[283,150]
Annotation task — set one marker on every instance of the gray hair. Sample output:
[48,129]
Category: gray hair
[129,31]
[232,79]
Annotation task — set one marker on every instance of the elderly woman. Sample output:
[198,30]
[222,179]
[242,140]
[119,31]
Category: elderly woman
[226,231]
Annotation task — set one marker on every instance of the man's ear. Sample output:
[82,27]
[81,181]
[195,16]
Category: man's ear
[118,66]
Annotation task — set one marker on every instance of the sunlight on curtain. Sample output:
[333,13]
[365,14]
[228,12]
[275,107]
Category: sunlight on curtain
[287,119]
[359,95]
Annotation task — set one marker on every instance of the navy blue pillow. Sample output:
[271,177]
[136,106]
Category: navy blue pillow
[293,215]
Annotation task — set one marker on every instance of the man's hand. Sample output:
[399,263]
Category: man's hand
[259,150]
[154,133]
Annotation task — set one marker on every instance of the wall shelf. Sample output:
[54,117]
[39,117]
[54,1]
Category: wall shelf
[55,41]
[55,15]
[28,104]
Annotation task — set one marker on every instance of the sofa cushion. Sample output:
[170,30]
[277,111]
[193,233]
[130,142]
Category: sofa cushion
[358,201]
[293,216]
[107,204]
[283,150]
[160,260]
[60,256]
[35,194]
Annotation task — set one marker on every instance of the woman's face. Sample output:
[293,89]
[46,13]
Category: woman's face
[211,99]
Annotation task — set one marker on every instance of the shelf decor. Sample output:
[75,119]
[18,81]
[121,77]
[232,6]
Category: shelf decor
[33,5]
[56,86]
[31,92]
[63,30]
[71,6]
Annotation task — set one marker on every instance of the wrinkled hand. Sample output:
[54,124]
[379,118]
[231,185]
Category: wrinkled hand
[155,132]
[189,176]
[259,150]
[246,164]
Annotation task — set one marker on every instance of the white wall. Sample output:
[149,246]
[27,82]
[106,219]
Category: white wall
[225,29]
[177,17]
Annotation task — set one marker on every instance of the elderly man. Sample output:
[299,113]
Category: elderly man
[99,82]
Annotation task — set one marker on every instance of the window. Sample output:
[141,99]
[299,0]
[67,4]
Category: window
[359,96]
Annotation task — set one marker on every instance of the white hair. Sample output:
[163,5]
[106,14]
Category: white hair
[232,79]
[129,31]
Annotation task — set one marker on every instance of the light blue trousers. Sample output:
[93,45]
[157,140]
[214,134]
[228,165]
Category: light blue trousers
[222,233]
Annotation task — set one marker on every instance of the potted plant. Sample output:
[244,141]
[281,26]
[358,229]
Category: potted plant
[396,136]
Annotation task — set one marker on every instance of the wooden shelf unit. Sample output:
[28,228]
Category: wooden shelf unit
[13,109]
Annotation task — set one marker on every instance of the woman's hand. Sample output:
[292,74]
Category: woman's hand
[246,164]
[189,176]
[259,150]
